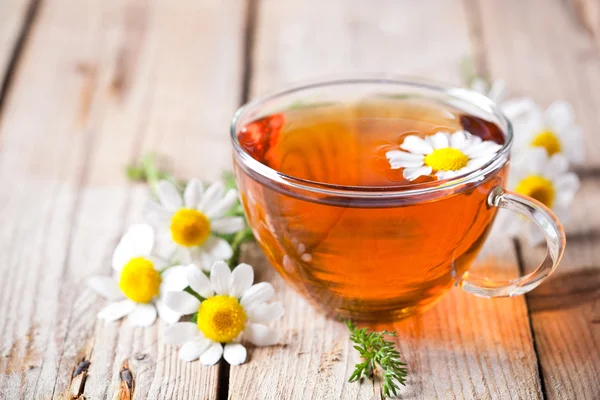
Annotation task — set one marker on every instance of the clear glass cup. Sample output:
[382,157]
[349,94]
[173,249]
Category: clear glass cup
[380,254]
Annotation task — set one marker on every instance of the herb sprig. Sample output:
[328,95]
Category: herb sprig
[376,351]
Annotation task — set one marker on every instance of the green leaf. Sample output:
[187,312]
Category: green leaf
[377,352]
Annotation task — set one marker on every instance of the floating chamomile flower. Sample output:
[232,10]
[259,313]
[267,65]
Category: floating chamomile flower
[545,179]
[444,154]
[553,129]
[495,91]
[231,308]
[138,286]
[191,222]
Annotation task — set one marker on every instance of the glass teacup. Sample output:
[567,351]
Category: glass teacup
[374,251]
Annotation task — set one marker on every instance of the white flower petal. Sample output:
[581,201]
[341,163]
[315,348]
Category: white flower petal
[143,315]
[240,280]
[174,279]
[515,108]
[567,183]
[234,353]
[138,241]
[416,145]
[413,173]
[397,155]
[221,207]
[531,161]
[227,225]
[497,91]
[219,277]
[557,166]
[572,142]
[212,195]
[480,149]
[212,355]
[259,293]
[193,194]
[475,163]
[265,313]
[180,333]
[115,311]
[479,85]
[168,195]
[159,263]
[559,115]
[165,313]
[199,282]
[195,348]
[214,249]
[182,302]
[183,255]
[446,174]
[106,287]
[405,164]
[261,335]
[401,159]
[459,139]
[156,213]
[440,140]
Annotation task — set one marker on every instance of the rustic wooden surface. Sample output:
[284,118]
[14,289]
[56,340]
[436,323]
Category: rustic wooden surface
[87,86]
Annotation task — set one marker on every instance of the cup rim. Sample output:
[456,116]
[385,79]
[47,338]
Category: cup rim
[271,175]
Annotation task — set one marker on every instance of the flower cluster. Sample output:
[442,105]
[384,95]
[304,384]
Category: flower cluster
[174,268]
[545,143]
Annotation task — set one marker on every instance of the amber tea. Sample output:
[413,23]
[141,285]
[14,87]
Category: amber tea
[378,257]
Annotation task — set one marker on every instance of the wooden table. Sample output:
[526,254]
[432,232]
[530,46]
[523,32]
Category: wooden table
[90,85]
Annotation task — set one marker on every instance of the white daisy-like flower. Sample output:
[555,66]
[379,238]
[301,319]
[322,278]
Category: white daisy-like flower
[444,154]
[232,308]
[553,129]
[495,91]
[138,286]
[545,179]
[190,221]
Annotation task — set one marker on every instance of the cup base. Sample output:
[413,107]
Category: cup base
[377,316]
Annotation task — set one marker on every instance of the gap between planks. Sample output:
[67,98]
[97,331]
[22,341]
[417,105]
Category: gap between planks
[16,51]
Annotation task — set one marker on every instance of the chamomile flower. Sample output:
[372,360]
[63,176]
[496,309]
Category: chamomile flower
[495,91]
[444,154]
[191,221]
[545,179]
[553,129]
[138,286]
[232,308]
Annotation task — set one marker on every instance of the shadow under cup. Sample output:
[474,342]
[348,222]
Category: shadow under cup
[372,254]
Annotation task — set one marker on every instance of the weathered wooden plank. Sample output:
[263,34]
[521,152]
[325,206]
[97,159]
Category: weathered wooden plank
[13,23]
[543,51]
[464,347]
[100,82]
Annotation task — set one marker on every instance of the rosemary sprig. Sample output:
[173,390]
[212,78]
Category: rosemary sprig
[376,351]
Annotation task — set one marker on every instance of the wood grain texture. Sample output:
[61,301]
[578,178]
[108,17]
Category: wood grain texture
[99,83]
[464,347]
[554,57]
[13,18]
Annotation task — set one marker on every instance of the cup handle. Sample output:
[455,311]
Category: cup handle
[555,241]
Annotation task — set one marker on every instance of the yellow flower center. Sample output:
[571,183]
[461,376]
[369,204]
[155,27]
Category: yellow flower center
[446,159]
[189,227]
[548,140]
[221,318]
[139,280]
[537,187]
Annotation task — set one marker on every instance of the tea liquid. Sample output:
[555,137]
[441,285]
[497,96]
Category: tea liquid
[366,262]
